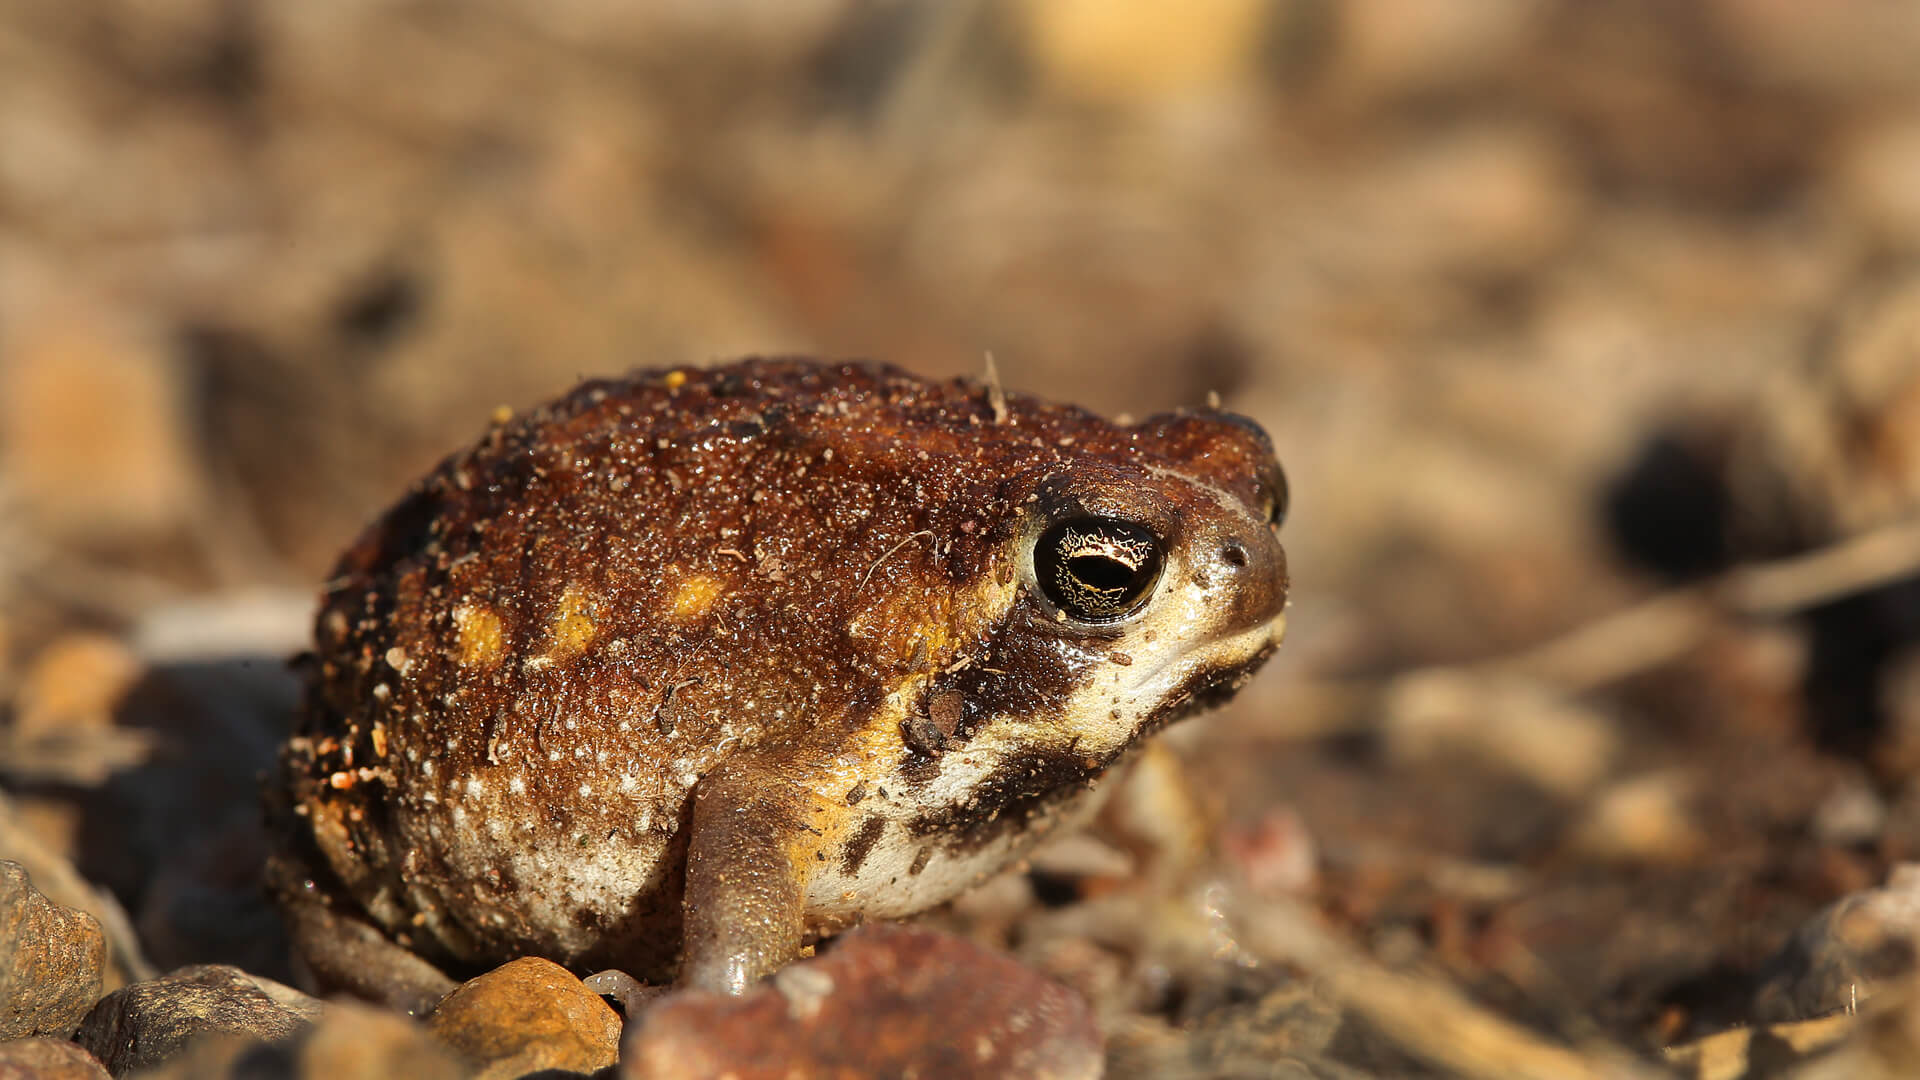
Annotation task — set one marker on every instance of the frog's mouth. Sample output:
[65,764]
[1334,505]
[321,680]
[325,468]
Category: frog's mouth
[1208,676]
[1118,715]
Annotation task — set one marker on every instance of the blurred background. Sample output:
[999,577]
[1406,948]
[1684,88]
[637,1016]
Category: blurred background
[1551,307]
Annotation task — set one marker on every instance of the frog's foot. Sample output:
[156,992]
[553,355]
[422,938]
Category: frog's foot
[343,953]
[1155,813]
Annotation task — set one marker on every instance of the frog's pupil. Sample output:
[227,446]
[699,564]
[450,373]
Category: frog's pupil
[1100,573]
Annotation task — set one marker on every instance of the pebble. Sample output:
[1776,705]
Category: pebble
[148,1023]
[1288,1031]
[350,1041]
[353,1041]
[1139,53]
[94,420]
[1877,170]
[527,1016]
[51,960]
[1276,855]
[1526,728]
[76,682]
[884,1001]
[1644,818]
[1852,814]
[1840,48]
[1384,50]
[1836,958]
[47,1059]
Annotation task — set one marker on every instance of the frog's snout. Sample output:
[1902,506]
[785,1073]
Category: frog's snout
[1250,567]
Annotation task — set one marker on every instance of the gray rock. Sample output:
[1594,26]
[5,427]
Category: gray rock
[51,958]
[1837,958]
[143,1025]
[1286,1032]
[47,1059]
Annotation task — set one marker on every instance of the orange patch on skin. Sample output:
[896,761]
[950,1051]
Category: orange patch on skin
[674,380]
[480,638]
[695,596]
[572,628]
[907,626]
[920,628]
[863,760]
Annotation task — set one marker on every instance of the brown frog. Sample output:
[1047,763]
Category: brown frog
[691,667]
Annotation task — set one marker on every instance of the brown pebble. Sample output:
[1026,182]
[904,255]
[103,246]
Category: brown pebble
[47,1059]
[526,1016]
[883,1001]
[51,960]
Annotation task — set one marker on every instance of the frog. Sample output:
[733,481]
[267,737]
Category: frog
[692,668]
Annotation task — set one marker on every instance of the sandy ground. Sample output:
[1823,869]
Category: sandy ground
[1589,335]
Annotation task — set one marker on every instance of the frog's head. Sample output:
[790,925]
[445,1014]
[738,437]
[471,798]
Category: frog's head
[1148,582]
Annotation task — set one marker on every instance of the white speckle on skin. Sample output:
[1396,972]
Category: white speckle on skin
[426,767]
[586,790]
[517,785]
[553,755]
[475,786]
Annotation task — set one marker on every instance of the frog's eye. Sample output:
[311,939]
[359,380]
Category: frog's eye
[1097,569]
[1275,481]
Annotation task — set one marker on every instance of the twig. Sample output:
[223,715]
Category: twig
[996,393]
[1616,645]
[1423,1015]
[1657,630]
[1854,565]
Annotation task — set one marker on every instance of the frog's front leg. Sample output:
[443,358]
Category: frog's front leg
[745,895]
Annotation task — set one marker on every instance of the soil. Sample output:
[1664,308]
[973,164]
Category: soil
[1589,336]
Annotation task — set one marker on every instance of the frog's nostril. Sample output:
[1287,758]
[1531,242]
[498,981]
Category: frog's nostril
[1235,554]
